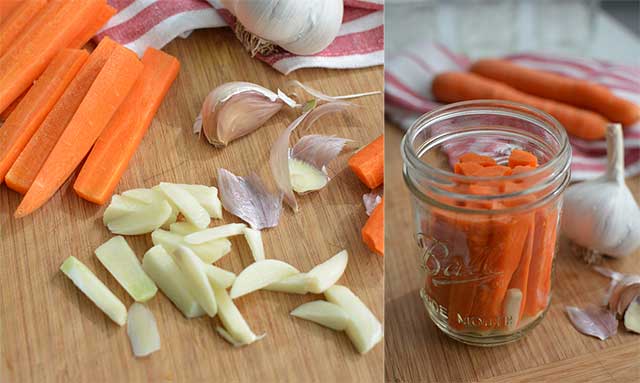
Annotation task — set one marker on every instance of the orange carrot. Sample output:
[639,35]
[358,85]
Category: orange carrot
[5,113]
[368,163]
[29,56]
[94,25]
[459,86]
[521,158]
[467,168]
[118,142]
[520,277]
[373,230]
[107,92]
[579,93]
[26,167]
[477,158]
[6,8]
[26,118]
[13,25]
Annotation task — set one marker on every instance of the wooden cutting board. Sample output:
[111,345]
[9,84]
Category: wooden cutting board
[416,351]
[50,332]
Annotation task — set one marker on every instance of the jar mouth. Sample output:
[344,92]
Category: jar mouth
[463,127]
[525,112]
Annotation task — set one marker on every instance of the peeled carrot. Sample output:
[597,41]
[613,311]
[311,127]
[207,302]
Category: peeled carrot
[7,7]
[368,163]
[107,92]
[5,113]
[373,230]
[521,158]
[26,59]
[476,158]
[32,110]
[93,26]
[459,86]
[118,142]
[26,167]
[466,168]
[13,25]
[579,93]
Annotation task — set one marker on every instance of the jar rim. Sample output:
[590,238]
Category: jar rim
[525,112]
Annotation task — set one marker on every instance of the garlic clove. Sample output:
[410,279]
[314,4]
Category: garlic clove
[594,321]
[624,293]
[327,273]
[323,313]
[632,316]
[142,330]
[321,96]
[305,177]
[248,199]
[219,278]
[234,323]
[260,274]
[602,215]
[295,284]
[318,150]
[197,281]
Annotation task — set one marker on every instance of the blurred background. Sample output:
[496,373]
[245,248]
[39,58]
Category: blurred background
[606,29]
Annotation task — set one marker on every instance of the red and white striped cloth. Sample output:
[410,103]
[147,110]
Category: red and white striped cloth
[408,76]
[143,23]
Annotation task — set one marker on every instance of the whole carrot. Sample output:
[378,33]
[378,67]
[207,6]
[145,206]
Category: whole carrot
[580,93]
[460,86]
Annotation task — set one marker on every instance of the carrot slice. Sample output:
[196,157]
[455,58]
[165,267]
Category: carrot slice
[26,167]
[467,168]
[112,152]
[521,158]
[25,120]
[107,92]
[13,25]
[373,230]
[477,158]
[26,60]
[90,30]
[368,163]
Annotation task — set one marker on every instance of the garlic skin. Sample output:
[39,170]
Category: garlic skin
[302,27]
[235,109]
[601,215]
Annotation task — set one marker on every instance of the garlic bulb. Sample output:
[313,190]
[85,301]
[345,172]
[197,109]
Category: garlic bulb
[303,27]
[235,109]
[601,215]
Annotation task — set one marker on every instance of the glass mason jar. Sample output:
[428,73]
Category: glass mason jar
[486,244]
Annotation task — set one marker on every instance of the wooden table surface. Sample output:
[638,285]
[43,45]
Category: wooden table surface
[50,332]
[416,351]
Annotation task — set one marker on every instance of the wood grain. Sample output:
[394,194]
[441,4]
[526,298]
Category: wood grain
[50,332]
[416,351]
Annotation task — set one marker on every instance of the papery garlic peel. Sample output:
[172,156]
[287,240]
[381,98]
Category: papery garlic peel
[301,27]
[601,215]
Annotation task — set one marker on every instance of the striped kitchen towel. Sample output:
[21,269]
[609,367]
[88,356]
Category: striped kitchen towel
[408,76]
[143,23]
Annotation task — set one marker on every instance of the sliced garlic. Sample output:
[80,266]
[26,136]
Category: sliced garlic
[632,316]
[364,329]
[327,273]
[219,278]
[187,204]
[305,177]
[208,252]
[226,336]
[207,197]
[233,321]
[145,196]
[512,303]
[323,313]
[94,289]
[120,206]
[197,281]
[142,330]
[183,228]
[159,265]
[295,284]
[122,263]
[138,212]
[254,239]
[215,233]
[260,274]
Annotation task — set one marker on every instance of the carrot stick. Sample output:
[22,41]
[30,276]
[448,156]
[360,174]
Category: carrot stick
[90,30]
[579,93]
[26,60]
[6,8]
[26,167]
[368,163]
[32,110]
[107,92]
[373,230]
[521,158]
[5,113]
[459,86]
[118,142]
[520,277]
[476,158]
[13,25]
